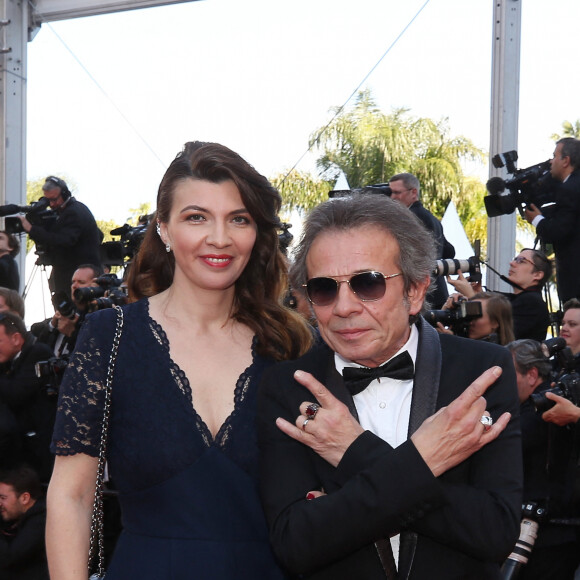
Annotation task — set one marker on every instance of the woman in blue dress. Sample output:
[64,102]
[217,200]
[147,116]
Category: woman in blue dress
[205,323]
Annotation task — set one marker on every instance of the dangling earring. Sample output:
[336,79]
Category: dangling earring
[167,245]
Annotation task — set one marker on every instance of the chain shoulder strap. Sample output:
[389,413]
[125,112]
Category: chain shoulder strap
[96,547]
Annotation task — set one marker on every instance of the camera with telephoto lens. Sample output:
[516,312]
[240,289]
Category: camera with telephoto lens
[87,294]
[377,189]
[531,185]
[52,370]
[458,317]
[533,515]
[566,378]
[107,294]
[449,267]
[114,297]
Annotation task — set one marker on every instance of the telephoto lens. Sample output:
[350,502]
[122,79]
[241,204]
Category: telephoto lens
[522,550]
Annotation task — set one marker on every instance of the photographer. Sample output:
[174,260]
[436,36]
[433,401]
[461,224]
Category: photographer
[570,330]
[60,331]
[22,392]
[528,273]
[9,248]
[23,511]
[72,239]
[564,412]
[495,323]
[561,227]
[405,189]
[548,479]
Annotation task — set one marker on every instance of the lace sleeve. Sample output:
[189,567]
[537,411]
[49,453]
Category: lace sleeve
[79,416]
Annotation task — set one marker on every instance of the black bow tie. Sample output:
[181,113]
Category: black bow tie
[358,379]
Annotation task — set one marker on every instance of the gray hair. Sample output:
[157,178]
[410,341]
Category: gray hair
[528,354]
[416,257]
[409,180]
[571,148]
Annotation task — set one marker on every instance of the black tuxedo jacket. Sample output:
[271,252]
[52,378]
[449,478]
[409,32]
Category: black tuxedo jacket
[460,525]
[561,228]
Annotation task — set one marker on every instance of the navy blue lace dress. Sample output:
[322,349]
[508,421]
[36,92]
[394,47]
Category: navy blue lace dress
[190,503]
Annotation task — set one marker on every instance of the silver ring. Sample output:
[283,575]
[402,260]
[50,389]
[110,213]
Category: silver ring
[486,421]
[311,410]
[304,424]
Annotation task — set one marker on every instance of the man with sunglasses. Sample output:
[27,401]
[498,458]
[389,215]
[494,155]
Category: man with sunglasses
[70,240]
[405,189]
[560,226]
[386,430]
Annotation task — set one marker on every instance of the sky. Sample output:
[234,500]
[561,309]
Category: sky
[112,98]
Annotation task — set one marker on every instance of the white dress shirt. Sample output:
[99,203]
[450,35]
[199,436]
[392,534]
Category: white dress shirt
[384,407]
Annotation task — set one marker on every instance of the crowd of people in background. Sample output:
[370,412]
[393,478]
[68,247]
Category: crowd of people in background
[282,441]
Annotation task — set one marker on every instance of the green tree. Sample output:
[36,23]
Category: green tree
[370,147]
[34,190]
[300,191]
[472,213]
[568,130]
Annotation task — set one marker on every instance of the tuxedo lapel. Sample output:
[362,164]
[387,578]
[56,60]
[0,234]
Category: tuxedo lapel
[427,373]
[423,405]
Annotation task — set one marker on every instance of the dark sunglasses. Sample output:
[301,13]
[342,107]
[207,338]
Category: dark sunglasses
[368,286]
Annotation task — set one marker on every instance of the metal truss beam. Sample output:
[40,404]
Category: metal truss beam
[52,10]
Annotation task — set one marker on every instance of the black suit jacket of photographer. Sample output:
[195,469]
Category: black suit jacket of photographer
[47,334]
[445,250]
[73,239]
[22,551]
[561,228]
[9,275]
[530,313]
[549,471]
[22,392]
